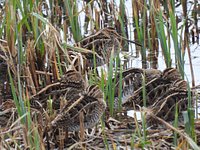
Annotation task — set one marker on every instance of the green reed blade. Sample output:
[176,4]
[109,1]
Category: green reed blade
[71,8]
[177,46]
[13,90]
[176,125]
[111,87]
[160,28]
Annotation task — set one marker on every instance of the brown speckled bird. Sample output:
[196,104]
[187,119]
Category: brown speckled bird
[163,90]
[70,85]
[132,82]
[91,104]
[103,42]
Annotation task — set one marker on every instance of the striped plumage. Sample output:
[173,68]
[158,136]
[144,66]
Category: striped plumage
[69,86]
[91,104]
[132,82]
[102,42]
[76,100]
[163,91]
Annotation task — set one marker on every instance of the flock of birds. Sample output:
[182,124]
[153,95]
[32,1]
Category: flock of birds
[160,94]
[71,98]
[163,91]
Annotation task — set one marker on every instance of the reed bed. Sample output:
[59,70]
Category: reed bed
[41,40]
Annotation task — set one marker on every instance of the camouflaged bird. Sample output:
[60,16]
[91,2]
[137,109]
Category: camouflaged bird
[132,81]
[69,86]
[77,100]
[163,90]
[103,42]
[90,104]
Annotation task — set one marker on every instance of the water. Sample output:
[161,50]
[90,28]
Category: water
[136,62]
[195,48]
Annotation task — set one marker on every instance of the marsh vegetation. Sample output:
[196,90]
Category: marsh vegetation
[72,70]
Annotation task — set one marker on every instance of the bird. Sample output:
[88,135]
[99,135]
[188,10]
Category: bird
[163,90]
[132,81]
[70,85]
[90,104]
[156,82]
[166,106]
[102,43]
[77,100]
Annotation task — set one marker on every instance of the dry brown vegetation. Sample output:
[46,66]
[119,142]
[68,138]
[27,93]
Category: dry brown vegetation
[50,87]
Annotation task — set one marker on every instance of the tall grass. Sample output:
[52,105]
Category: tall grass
[141,33]
[72,12]
[160,28]
[14,34]
[110,86]
[179,56]
[19,21]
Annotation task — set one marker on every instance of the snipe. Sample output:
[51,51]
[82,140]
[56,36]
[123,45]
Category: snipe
[70,85]
[157,85]
[77,101]
[102,42]
[90,105]
[162,91]
[132,82]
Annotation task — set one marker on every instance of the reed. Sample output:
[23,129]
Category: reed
[37,47]
[141,34]
[71,8]
[176,125]
[110,86]
[179,56]
[160,28]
